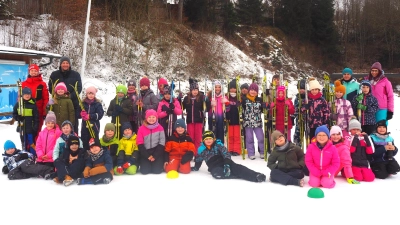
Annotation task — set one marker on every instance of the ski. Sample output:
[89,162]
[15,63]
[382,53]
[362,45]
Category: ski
[21,125]
[171,116]
[266,101]
[239,97]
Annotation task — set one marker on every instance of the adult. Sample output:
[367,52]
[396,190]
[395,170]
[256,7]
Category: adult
[72,80]
[383,92]
[351,85]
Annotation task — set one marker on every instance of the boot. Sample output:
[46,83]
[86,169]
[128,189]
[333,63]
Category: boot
[260,177]
[68,180]
[57,180]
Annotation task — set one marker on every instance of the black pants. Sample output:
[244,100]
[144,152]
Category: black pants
[237,172]
[49,164]
[290,177]
[99,178]
[74,170]
[383,169]
[29,169]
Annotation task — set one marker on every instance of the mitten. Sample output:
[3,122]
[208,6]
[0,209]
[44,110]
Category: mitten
[171,106]
[83,114]
[120,170]
[85,118]
[115,113]
[361,106]
[97,170]
[352,181]
[193,168]
[227,170]
[118,108]
[187,157]
[126,165]
[360,97]
[86,172]
[5,170]
[164,108]
[51,102]
[20,157]
[389,115]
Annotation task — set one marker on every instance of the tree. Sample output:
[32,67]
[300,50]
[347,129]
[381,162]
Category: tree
[230,20]
[250,12]
[201,13]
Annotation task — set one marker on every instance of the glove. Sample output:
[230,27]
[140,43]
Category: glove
[389,115]
[86,172]
[5,170]
[187,157]
[352,181]
[164,108]
[213,103]
[171,106]
[51,102]
[85,118]
[126,165]
[120,170]
[193,168]
[20,157]
[97,170]
[118,108]
[361,106]
[115,113]
[227,170]
[360,97]
[83,114]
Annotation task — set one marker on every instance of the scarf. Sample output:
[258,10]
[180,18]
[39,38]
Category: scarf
[95,157]
[152,126]
[251,98]
[88,101]
[74,153]
[65,137]
[382,136]
[283,147]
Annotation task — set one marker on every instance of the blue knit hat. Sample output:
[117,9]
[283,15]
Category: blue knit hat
[126,125]
[322,128]
[365,83]
[180,123]
[347,70]
[8,144]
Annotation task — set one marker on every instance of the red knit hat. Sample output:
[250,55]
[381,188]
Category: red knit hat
[162,81]
[33,67]
[144,82]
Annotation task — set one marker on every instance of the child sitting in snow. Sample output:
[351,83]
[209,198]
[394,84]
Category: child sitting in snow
[110,141]
[128,153]
[219,162]
[67,129]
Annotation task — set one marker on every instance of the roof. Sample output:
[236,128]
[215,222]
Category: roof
[21,51]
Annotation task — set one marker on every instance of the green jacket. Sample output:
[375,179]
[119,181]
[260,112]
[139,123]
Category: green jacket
[292,157]
[64,110]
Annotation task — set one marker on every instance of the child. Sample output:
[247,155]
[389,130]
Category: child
[133,96]
[215,110]
[286,161]
[317,107]
[179,149]
[300,99]
[128,153]
[98,168]
[28,120]
[219,162]
[20,164]
[342,146]
[120,109]
[151,141]
[193,104]
[91,115]
[110,142]
[70,166]
[244,90]
[47,140]
[367,106]
[322,160]
[382,162]
[67,131]
[162,82]
[39,92]
[62,105]
[232,115]
[166,108]
[344,110]
[280,111]
[361,149]
[146,99]
[252,121]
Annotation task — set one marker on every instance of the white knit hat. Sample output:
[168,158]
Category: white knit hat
[336,130]
[354,124]
[313,83]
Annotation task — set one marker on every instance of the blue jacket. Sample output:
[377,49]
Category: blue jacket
[105,159]
[216,156]
[380,151]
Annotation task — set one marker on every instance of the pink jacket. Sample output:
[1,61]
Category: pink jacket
[343,149]
[383,92]
[322,162]
[45,143]
[177,109]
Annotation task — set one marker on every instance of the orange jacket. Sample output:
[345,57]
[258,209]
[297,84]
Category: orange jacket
[177,145]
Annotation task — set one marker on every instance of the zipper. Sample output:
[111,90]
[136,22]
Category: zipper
[320,160]
[192,111]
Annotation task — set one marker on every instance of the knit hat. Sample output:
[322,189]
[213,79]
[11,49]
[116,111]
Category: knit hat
[336,130]
[144,82]
[180,123]
[50,117]
[302,84]
[26,91]
[276,135]
[377,65]
[161,81]
[254,87]
[208,134]
[73,140]
[91,89]
[244,86]
[323,129]
[313,83]
[281,89]
[61,86]
[65,58]
[126,125]
[68,122]
[347,70]
[381,123]
[151,112]
[339,87]
[109,126]
[131,82]
[366,83]
[33,67]
[217,82]
[167,89]
[193,84]
[9,144]
[315,193]
[122,89]
[94,142]
[354,124]
[232,84]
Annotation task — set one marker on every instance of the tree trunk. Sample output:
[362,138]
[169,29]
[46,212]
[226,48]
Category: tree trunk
[180,11]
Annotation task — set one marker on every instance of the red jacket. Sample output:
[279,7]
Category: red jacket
[39,92]
[280,114]
[178,145]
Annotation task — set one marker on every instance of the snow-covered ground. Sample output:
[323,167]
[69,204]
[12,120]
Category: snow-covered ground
[195,198]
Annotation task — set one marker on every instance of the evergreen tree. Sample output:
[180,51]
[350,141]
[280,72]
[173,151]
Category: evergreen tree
[230,20]
[201,13]
[250,11]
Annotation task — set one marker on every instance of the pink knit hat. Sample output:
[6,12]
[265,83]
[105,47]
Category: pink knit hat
[162,81]
[144,82]
[61,86]
[51,117]
[279,90]
[151,112]
[336,130]
[91,89]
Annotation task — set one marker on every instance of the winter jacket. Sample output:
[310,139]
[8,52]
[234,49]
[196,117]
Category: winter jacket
[360,148]
[233,113]
[280,110]
[46,142]
[30,116]
[382,90]
[379,145]
[344,113]
[343,149]
[60,146]
[79,163]
[39,92]
[194,109]
[177,145]
[252,109]
[111,145]
[63,108]
[322,162]
[291,157]
[216,156]
[318,110]
[9,160]
[96,112]
[150,101]
[133,97]
[127,109]
[163,116]
[352,87]
[128,148]
[104,160]
[150,138]
[71,79]
[367,116]
[218,109]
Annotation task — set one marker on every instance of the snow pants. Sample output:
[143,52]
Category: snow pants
[195,131]
[250,140]
[383,169]
[29,169]
[286,178]
[326,182]
[237,172]
[175,164]
[234,139]
[97,179]
[74,170]
[363,174]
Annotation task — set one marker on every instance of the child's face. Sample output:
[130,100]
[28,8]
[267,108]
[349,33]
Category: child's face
[74,147]
[232,90]
[50,125]
[180,130]
[120,95]
[26,97]
[355,131]
[195,92]
[128,132]
[60,92]
[217,89]
[244,91]
[90,95]
[381,130]
[280,141]
[95,150]
[322,138]
[110,133]
[253,93]
[336,137]
[338,94]
[276,81]
[151,119]
[314,91]
[365,89]
[208,141]
[66,129]
[10,151]
[160,87]
[281,94]
[33,72]
[144,87]
[167,96]
[131,88]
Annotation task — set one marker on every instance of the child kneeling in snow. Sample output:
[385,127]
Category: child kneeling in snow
[219,162]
